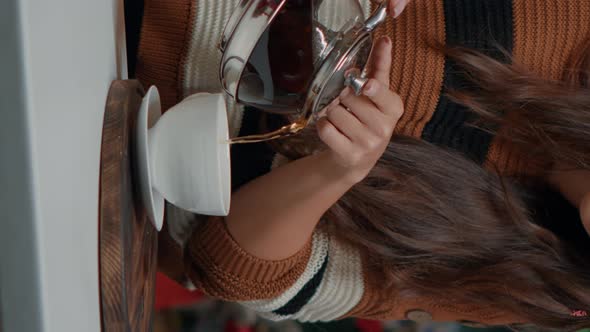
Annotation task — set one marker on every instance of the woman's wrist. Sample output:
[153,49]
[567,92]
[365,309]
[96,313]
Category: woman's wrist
[333,169]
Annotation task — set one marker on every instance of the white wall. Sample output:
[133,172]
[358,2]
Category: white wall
[55,69]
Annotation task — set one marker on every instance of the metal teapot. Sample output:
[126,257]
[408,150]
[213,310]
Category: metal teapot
[293,57]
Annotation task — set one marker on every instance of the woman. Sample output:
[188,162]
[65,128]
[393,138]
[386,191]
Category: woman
[444,202]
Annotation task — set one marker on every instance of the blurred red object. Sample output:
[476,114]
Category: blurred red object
[369,325]
[233,327]
[170,295]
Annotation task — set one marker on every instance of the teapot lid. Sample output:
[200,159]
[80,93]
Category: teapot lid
[341,53]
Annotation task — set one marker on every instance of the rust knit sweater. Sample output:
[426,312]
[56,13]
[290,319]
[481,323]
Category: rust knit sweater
[327,279]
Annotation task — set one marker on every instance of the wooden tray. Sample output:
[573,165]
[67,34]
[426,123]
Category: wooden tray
[128,241]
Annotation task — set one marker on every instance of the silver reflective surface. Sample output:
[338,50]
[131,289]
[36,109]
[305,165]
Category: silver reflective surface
[355,80]
[232,23]
[330,18]
[293,57]
[351,55]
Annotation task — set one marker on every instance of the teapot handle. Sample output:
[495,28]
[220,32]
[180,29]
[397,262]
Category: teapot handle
[379,16]
[355,79]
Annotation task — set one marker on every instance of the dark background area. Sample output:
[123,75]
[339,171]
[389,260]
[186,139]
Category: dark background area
[133,18]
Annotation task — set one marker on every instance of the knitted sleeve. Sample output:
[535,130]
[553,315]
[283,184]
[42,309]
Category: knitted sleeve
[322,282]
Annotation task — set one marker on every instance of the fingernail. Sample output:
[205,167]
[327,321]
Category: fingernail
[386,40]
[392,6]
[399,8]
[370,88]
[345,92]
[397,11]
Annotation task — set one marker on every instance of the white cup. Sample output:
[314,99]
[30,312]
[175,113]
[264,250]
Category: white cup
[188,157]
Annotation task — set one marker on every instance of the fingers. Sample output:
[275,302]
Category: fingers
[332,137]
[386,101]
[377,88]
[355,119]
[347,123]
[380,62]
[364,110]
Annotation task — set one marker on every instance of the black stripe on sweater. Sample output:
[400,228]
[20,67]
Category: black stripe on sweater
[483,25]
[306,293]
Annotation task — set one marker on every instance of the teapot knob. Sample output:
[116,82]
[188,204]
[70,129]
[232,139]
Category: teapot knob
[356,81]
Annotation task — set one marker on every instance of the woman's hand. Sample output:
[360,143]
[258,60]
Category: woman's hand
[274,216]
[357,129]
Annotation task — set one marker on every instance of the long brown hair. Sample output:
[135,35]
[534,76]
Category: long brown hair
[445,227]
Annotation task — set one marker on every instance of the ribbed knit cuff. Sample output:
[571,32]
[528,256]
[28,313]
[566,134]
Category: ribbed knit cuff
[219,266]
[163,46]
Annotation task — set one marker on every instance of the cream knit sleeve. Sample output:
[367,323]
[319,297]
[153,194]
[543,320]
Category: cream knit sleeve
[323,282]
